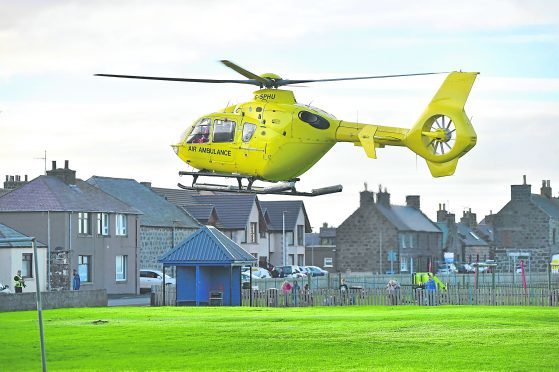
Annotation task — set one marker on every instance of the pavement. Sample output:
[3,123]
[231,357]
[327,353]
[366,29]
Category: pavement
[129,300]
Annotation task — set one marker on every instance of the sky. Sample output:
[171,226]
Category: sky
[50,101]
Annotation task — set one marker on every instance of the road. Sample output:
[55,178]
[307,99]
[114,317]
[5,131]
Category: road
[129,300]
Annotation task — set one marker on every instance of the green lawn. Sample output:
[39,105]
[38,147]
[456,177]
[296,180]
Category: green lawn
[319,338]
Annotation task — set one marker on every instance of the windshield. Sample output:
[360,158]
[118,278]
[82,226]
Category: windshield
[201,132]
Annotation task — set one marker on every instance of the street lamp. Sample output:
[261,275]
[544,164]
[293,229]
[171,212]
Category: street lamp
[284,247]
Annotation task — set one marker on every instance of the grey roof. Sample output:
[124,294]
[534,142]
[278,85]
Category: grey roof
[9,233]
[443,226]
[156,210]
[201,212]
[327,232]
[549,207]
[179,197]
[275,210]
[233,209]
[468,236]
[208,245]
[4,191]
[486,230]
[407,218]
[312,239]
[49,193]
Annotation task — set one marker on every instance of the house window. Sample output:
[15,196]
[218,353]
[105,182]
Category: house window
[27,265]
[84,268]
[300,235]
[121,224]
[404,264]
[554,236]
[121,267]
[289,237]
[301,259]
[328,262]
[83,223]
[103,224]
[253,232]
[407,240]
[291,259]
[244,234]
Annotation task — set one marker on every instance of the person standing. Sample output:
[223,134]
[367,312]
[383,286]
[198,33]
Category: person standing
[295,292]
[431,287]
[76,281]
[286,288]
[20,282]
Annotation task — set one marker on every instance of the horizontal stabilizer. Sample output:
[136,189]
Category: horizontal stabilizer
[443,169]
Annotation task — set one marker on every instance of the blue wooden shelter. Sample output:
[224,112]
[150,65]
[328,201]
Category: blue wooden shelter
[208,268]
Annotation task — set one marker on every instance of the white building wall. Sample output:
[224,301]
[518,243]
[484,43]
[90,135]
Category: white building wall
[10,263]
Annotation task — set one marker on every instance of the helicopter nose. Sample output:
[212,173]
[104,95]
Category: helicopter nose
[175,149]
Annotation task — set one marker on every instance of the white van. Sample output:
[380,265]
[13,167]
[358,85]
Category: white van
[555,264]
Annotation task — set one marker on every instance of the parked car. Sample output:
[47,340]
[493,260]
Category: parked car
[245,280]
[316,271]
[464,269]
[446,269]
[4,289]
[149,277]
[290,271]
[259,272]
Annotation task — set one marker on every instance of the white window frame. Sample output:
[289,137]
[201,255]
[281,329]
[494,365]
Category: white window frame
[289,236]
[301,235]
[121,268]
[27,265]
[328,262]
[85,268]
[103,224]
[253,232]
[83,223]
[121,225]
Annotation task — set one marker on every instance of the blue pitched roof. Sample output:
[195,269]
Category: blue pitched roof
[549,207]
[156,210]
[468,236]
[9,233]
[207,246]
[407,218]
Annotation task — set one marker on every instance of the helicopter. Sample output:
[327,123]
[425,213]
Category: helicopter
[275,139]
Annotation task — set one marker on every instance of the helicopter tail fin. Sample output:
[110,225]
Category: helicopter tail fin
[443,133]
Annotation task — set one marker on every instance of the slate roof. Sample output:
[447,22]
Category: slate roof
[468,236]
[407,218]
[327,232]
[312,239]
[233,209]
[549,207]
[9,233]
[201,212]
[275,210]
[209,246]
[156,210]
[486,230]
[49,193]
[4,191]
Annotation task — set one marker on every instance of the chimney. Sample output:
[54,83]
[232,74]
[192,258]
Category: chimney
[545,191]
[383,197]
[366,199]
[413,201]
[441,213]
[325,224]
[65,174]
[14,182]
[146,184]
[469,219]
[521,192]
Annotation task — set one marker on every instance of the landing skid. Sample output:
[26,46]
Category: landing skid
[284,188]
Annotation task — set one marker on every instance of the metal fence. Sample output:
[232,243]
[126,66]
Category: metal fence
[403,296]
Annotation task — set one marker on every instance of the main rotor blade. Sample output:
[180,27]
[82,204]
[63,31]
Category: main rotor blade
[289,82]
[245,73]
[252,82]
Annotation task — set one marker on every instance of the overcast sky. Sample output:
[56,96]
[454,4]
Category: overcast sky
[49,99]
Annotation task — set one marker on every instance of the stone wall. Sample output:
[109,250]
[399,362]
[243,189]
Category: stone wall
[521,226]
[155,241]
[53,300]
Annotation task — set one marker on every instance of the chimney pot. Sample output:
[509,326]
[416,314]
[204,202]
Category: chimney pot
[524,178]
[26,178]
[7,178]
[66,164]
[53,164]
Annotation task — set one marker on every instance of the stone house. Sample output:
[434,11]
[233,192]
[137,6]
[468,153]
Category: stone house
[527,228]
[381,237]
[320,248]
[463,239]
[292,215]
[83,227]
[162,224]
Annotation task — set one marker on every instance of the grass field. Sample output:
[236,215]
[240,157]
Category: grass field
[319,338]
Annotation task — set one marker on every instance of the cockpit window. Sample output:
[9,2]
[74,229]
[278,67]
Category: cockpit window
[224,130]
[201,132]
[248,131]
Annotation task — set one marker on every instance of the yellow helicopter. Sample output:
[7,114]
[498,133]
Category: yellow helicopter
[273,138]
